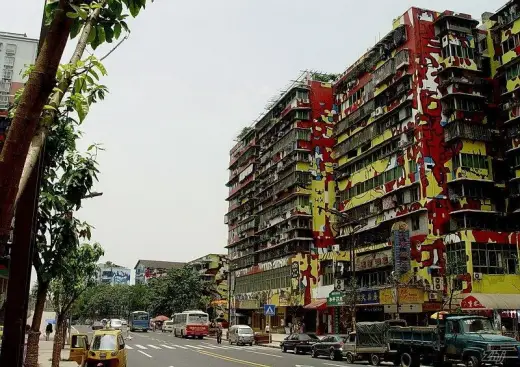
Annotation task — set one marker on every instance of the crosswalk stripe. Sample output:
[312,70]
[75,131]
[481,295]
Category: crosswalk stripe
[140,346]
[180,346]
[167,346]
[128,347]
[153,346]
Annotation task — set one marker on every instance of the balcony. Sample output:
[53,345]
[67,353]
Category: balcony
[383,72]
[355,116]
[463,130]
[472,64]
[402,58]
[469,173]
[296,178]
[512,114]
[461,204]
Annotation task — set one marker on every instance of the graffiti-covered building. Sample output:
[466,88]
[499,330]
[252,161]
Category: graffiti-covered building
[421,171]
[110,273]
[276,192]
[214,270]
[148,269]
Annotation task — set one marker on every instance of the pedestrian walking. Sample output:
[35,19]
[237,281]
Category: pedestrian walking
[219,334]
[48,331]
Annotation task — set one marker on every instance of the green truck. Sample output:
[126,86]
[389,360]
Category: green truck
[469,341]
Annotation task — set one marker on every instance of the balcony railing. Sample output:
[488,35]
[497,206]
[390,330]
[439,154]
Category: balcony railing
[461,130]
[402,58]
[295,178]
[384,72]
[362,112]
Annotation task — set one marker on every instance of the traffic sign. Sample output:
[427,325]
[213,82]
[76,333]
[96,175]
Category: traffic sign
[269,310]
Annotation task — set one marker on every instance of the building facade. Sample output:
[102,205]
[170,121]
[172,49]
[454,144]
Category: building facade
[148,269]
[214,271]
[423,183]
[110,273]
[280,186]
[17,51]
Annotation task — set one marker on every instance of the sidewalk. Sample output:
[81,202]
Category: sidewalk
[45,355]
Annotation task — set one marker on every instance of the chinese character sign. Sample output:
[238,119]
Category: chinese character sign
[369,297]
[401,247]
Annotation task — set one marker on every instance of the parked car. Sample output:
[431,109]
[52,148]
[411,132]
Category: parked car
[331,346]
[124,322]
[299,342]
[97,325]
[241,335]
[167,326]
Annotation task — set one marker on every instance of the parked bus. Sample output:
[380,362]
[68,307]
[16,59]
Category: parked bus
[139,320]
[191,323]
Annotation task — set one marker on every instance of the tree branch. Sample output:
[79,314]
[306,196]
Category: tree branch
[116,46]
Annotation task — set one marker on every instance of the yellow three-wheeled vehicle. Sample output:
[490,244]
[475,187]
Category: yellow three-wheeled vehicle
[106,350]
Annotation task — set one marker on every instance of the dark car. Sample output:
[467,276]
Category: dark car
[331,346]
[96,325]
[299,342]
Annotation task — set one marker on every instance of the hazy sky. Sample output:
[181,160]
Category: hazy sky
[190,76]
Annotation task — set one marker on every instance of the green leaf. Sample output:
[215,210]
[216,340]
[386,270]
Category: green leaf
[72,15]
[109,33]
[125,26]
[92,35]
[134,8]
[48,107]
[99,66]
[117,30]
[75,28]
[93,72]
[101,34]
[81,106]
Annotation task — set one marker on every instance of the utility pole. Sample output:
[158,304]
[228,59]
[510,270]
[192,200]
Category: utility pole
[21,255]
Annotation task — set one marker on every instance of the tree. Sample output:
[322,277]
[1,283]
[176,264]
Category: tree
[181,289]
[98,21]
[74,280]
[455,268]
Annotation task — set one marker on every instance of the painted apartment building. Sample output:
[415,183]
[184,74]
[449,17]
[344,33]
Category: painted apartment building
[280,177]
[148,269]
[110,273]
[422,167]
[214,270]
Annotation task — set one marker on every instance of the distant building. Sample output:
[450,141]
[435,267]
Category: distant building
[147,269]
[17,51]
[214,269]
[110,273]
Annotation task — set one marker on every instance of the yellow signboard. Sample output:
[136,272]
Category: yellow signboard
[406,295]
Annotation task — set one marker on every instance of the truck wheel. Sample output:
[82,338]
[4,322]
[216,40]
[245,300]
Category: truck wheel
[349,358]
[471,361]
[375,360]
[408,361]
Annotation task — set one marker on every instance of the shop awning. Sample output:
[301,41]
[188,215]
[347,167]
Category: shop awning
[487,301]
[317,304]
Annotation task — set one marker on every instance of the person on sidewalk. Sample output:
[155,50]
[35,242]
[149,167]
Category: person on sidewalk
[48,331]
[219,334]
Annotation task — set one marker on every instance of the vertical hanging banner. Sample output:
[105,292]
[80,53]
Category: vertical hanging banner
[401,247]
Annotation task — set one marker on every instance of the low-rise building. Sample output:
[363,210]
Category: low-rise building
[214,271]
[110,273]
[148,269]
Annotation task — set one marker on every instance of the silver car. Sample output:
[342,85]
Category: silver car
[115,324]
[241,335]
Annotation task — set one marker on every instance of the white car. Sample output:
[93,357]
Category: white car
[116,324]
[124,323]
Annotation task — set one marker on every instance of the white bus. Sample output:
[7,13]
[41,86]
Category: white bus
[191,323]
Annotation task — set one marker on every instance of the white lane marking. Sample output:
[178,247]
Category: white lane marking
[271,355]
[195,347]
[140,346]
[180,346]
[336,365]
[128,347]
[153,346]
[140,351]
[167,346]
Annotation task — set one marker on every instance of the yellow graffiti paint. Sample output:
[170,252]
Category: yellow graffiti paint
[451,61]
[303,166]
[512,84]
[318,200]
[473,147]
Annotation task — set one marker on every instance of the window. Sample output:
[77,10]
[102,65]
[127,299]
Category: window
[382,178]
[416,223]
[456,259]
[302,94]
[494,258]
[473,161]
[104,342]
[412,166]
[511,43]
[301,115]
[9,61]
[483,45]
[8,73]
[414,194]
[513,71]
[270,279]
[458,51]
[328,274]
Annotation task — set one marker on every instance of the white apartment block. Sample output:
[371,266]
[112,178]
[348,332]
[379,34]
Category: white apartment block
[17,51]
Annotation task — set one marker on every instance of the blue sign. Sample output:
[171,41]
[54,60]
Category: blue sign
[369,297]
[269,310]
[50,321]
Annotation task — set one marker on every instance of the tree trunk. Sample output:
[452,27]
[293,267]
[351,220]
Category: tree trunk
[39,136]
[31,359]
[35,95]
[58,340]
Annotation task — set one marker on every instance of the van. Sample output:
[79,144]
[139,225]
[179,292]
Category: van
[241,335]
[167,326]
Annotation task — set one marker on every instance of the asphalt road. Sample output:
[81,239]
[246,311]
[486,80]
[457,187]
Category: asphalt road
[164,350]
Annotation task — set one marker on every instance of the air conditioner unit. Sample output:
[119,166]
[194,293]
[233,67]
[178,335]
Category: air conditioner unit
[378,111]
[432,296]
[335,248]
[401,143]
[477,276]
[339,284]
[438,284]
